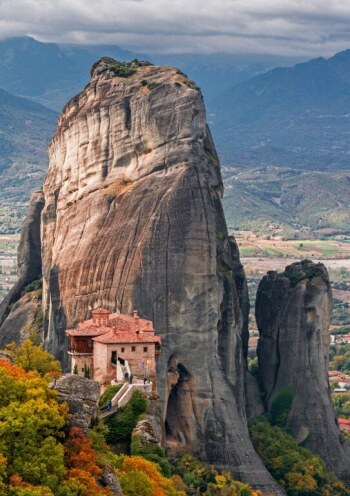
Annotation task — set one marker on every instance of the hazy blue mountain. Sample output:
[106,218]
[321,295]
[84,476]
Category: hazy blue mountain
[51,74]
[25,131]
[295,116]
[214,73]
[46,72]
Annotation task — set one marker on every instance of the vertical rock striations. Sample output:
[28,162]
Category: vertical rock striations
[293,312]
[133,218]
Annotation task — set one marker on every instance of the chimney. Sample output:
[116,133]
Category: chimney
[100,316]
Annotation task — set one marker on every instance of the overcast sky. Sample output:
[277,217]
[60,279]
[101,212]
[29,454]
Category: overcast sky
[286,27]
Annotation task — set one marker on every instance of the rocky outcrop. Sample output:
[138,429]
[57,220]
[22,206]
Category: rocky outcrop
[293,312]
[18,313]
[133,218]
[110,479]
[148,430]
[81,395]
[24,321]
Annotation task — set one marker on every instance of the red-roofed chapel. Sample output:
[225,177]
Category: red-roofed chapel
[112,346]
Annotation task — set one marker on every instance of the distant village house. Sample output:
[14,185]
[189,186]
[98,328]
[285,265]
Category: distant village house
[113,347]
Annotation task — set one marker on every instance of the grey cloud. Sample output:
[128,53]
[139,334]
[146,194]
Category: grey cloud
[290,27]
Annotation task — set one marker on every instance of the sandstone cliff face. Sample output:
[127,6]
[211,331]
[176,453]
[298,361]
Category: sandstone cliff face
[133,218]
[293,314]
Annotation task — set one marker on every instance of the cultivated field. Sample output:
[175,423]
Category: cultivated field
[253,245]
[8,262]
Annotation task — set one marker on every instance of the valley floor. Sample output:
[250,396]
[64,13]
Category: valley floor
[259,255]
[8,262]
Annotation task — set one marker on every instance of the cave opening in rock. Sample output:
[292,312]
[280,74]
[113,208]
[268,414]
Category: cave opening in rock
[180,418]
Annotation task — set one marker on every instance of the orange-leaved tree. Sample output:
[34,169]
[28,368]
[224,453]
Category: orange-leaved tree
[140,477]
[82,469]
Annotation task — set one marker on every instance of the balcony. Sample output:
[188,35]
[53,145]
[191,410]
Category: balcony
[80,347]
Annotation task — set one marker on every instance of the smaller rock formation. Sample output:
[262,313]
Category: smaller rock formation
[23,321]
[293,312]
[81,395]
[18,312]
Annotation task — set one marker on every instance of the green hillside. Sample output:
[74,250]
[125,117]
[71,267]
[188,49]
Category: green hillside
[291,202]
[25,131]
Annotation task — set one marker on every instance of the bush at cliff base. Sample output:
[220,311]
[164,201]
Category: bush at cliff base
[295,468]
[121,425]
[151,452]
[197,478]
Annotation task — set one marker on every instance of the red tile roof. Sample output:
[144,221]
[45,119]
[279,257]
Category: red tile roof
[119,329]
[116,336]
[91,330]
[344,424]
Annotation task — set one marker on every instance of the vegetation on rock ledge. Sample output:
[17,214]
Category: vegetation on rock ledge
[295,468]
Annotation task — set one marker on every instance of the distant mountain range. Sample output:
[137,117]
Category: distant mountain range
[297,117]
[25,130]
[292,118]
[46,72]
[51,74]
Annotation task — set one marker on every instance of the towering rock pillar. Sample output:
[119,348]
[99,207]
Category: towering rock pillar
[293,312]
[133,219]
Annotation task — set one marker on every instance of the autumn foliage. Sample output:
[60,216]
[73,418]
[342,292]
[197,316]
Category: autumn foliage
[31,428]
[34,358]
[139,477]
[80,460]
[297,469]
[198,478]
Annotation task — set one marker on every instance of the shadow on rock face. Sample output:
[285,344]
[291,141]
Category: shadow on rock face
[180,422]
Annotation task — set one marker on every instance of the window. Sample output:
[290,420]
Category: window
[145,349]
[133,348]
[82,369]
[123,349]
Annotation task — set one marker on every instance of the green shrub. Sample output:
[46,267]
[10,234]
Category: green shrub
[281,406]
[151,86]
[86,371]
[122,70]
[151,452]
[144,82]
[108,394]
[253,367]
[124,421]
[200,478]
[295,468]
[34,286]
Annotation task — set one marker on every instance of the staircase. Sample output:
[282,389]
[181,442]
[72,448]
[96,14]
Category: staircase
[123,396]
